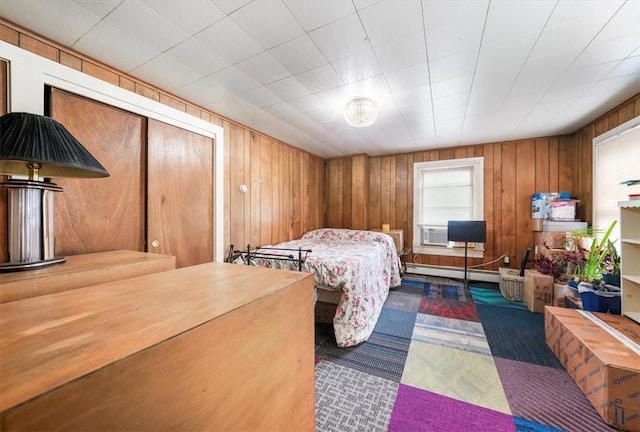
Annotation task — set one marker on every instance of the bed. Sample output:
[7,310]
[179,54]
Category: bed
[353,270]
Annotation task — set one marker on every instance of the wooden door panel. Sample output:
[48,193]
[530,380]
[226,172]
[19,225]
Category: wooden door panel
[96,215]
[180,194]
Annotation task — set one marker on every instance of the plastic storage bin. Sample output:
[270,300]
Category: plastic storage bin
[600,301]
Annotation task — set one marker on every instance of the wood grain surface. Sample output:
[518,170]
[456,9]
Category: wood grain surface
[199,348]
[80,271]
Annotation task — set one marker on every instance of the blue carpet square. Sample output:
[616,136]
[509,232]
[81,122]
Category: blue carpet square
[382,355]
[395,322]
[524,425]
[520,345]
[494,297]
[510,318]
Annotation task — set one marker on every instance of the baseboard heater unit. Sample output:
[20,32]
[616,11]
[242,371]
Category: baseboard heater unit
[453,272]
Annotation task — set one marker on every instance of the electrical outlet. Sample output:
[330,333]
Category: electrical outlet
[506,261]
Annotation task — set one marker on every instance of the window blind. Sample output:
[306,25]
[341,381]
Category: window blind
[616,159]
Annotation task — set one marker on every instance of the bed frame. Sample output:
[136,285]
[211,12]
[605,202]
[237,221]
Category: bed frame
[247,255]
[326,301]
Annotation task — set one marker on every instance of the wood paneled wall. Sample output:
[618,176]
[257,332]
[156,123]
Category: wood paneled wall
[286,185]
[513,171]
[347,186]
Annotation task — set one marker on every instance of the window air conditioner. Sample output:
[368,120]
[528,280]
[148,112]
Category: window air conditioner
[434,235]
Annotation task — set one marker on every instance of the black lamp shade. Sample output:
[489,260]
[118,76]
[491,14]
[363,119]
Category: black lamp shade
[28,138]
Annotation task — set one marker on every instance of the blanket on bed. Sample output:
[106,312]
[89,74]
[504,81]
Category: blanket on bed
[361,264]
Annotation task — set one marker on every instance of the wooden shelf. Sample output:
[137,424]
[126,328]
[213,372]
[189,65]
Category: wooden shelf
[629,258]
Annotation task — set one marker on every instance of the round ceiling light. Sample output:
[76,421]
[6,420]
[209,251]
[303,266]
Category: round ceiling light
[361,112]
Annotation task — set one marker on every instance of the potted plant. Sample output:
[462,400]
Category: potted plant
[599,258]
[559,264]
[611,275]
[602,258]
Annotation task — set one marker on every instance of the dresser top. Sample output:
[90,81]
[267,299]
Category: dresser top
[50,340]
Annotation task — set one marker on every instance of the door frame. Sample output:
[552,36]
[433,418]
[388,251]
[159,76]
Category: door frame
[29,74]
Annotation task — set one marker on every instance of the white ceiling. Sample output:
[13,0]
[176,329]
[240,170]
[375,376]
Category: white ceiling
[445,73]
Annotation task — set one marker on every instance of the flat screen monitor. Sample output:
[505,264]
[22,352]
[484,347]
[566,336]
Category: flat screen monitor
[467,231]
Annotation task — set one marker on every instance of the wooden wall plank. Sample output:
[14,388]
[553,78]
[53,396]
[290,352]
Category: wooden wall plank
[525,181]
[275,181]
[385,190]
[255,189]
[237,198]
[488,196]
[542,166]
[246,180]
[402,193]
[347,189]
[374,220]
[554,165]
[265,184]
[297,185]
[498,246]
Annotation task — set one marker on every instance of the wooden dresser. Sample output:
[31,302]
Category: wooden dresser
[210,347]
[80,271]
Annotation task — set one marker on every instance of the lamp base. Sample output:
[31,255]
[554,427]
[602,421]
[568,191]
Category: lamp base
[12,267]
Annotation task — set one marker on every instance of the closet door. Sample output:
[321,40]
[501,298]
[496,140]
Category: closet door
[179,194]
[95,215]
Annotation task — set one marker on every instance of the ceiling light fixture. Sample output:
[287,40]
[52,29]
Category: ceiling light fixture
[361,112]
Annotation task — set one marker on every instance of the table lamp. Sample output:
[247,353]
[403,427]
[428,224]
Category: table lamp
[34,148]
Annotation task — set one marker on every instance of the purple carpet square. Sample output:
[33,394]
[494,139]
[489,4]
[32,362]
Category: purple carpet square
[548,396]
[418,410]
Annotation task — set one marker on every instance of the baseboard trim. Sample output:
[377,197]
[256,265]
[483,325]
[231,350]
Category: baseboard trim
[454,272]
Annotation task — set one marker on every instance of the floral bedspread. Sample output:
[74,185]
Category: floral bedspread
[362,264]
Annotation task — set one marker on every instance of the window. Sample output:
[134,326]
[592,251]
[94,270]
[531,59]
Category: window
[616,158]
[443,191]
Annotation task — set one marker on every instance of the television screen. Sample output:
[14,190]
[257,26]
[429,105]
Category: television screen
[467,231]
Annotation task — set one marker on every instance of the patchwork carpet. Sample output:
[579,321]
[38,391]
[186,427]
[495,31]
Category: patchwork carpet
[445,358]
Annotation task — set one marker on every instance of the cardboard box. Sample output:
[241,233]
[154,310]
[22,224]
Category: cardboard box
[550,239]
[563,226]
[538,290]
[398,237]
[605,368]
[560,290]
[572,302]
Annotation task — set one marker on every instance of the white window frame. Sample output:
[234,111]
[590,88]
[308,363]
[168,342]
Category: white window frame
[477,166]
[607,195]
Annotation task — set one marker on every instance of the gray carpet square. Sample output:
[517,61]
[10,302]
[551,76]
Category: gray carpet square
[351,401]
[403,301]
